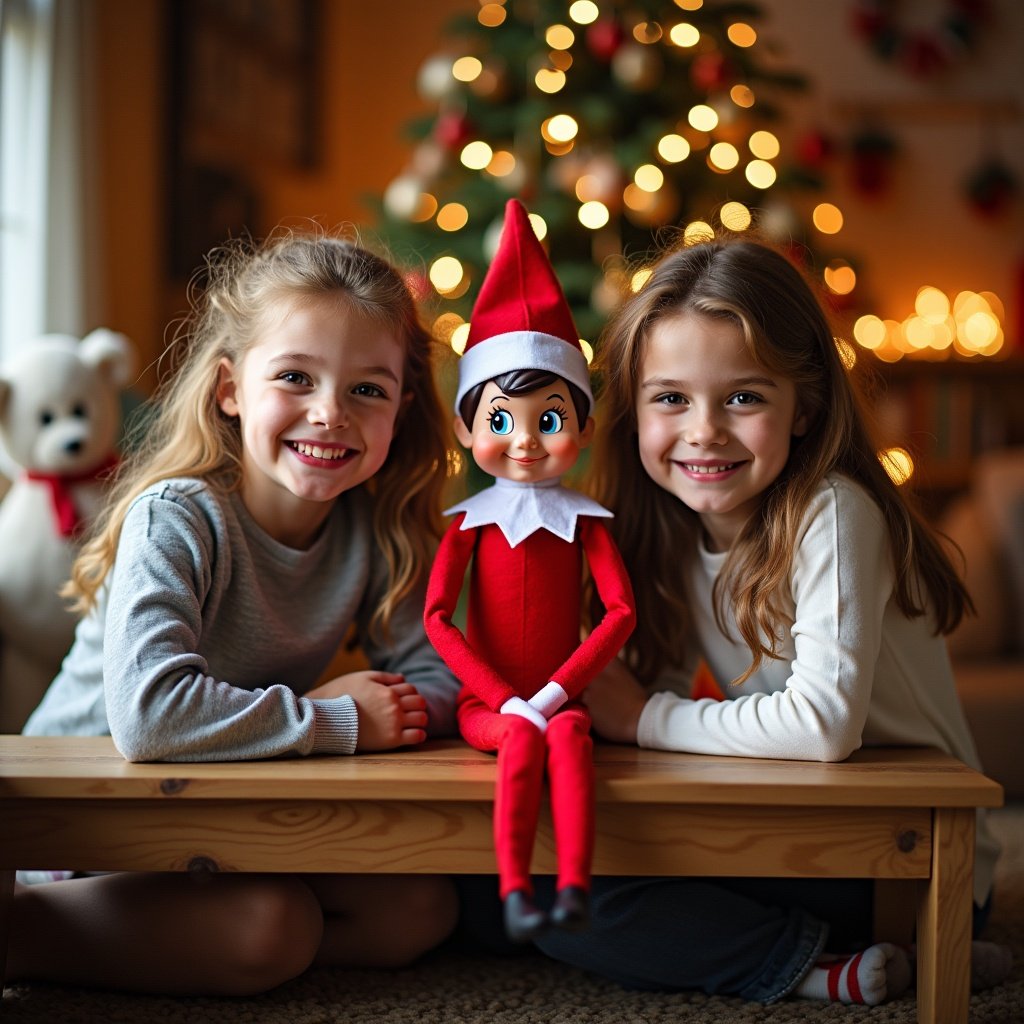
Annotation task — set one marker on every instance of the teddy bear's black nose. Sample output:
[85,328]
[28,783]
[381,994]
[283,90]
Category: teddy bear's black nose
[73,447]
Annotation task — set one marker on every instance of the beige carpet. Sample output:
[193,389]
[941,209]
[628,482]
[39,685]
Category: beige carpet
[457,989]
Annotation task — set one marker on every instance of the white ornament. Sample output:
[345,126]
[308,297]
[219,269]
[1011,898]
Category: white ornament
[606,297]
[428,160]
[402,196]
[637,67]
[778,221]
[435,80]
[492,236]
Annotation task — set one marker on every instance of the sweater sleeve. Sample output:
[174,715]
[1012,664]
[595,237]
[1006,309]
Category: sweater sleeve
[841,582]
[162,703]
[613,587]
[443,590]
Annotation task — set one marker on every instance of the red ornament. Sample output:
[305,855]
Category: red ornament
[839,303]
[419,285]
[869,20]
[796,252]
[922,56]
[814,149]
[872,153]
[924,52]
[453,130]
[604,37]
[991,188]
[711,72]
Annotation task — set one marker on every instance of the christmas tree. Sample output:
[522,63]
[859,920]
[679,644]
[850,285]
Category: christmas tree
[614,123]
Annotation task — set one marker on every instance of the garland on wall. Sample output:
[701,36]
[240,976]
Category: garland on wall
[923,52]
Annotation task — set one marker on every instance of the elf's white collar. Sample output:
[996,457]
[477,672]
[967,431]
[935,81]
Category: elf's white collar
[520,509]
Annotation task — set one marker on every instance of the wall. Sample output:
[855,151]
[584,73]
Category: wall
[919,232]
[123,122]
[361,143]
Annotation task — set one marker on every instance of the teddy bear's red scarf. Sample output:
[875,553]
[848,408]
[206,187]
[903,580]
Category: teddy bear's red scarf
[64,511]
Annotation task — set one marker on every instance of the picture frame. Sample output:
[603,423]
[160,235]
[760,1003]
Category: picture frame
[242,100]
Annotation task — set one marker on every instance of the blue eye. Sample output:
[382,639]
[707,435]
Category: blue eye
[551,422]
[501,422]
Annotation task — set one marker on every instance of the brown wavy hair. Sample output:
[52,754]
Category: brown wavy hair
[187,434]
[786,330]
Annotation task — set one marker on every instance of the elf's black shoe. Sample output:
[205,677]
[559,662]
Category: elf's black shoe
[571,911]
[523,920]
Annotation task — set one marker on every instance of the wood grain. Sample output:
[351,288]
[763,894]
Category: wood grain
[944,922]
[91,768]
[434,836]
[903,816]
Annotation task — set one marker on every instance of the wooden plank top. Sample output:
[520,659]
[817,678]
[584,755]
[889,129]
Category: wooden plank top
[71,767]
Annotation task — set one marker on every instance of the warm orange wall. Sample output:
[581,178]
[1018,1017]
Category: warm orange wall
[125,136]
[361,128]
[370,57]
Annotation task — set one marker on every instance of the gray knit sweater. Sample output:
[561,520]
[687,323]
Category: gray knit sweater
[208,631]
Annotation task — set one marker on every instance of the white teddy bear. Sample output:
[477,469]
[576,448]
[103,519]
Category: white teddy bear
[60,420]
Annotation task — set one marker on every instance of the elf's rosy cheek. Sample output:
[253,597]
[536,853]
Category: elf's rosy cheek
[562,445]
[489,446]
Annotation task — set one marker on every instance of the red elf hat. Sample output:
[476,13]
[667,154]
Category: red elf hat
[521,320]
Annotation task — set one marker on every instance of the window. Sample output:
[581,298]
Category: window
[41,286]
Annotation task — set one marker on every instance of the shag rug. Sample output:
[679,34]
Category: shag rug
[458,988]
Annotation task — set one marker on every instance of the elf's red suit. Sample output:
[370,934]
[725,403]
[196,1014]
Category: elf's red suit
[523,631]
[523,408]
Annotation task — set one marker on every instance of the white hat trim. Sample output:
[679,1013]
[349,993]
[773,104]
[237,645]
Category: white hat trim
[522,350]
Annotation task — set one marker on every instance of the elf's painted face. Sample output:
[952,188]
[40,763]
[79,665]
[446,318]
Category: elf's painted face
[527,438]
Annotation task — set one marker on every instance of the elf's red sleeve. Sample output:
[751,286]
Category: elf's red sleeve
[446,581]
[616,593]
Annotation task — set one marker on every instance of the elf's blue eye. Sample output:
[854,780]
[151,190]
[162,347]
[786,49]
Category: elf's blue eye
[550,422]
[501,422]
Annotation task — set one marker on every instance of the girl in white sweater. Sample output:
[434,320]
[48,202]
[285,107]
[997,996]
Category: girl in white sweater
[765,538]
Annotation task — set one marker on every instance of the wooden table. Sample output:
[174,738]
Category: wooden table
[902,816]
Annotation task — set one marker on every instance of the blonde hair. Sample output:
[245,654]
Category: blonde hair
[786,331]
[189,435]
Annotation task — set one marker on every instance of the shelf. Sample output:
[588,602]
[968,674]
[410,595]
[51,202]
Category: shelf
[946,414]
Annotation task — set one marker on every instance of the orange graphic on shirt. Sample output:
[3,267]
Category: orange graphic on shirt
[704,684]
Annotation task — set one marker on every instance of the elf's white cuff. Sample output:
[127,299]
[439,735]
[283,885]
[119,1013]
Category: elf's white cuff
[548,699]
[518,706]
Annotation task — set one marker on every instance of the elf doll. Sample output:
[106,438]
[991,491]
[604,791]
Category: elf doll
[523,409]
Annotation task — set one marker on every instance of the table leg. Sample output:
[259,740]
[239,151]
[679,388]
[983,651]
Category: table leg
[944,921]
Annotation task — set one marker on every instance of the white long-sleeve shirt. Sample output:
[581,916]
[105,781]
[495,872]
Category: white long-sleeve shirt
[853,669]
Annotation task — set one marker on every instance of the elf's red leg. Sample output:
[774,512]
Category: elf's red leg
[571,780]
[520,747]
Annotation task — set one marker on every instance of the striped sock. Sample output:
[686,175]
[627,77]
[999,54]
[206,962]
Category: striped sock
[870,977]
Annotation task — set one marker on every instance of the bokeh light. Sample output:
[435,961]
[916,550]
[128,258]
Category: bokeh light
[584,12]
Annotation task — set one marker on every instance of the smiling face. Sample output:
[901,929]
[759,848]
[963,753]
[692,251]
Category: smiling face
[317,394]
[714,426]
[527,438]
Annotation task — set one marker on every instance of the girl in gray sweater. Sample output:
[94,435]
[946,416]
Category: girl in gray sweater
[285,491]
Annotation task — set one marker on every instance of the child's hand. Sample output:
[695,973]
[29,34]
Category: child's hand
[391,711]
[615,700]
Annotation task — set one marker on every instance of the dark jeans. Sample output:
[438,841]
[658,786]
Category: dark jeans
[749,937]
